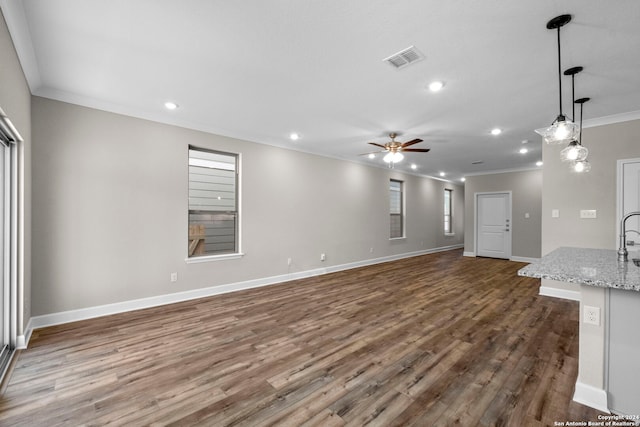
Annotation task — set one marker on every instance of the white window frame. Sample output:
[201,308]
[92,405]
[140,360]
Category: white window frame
[450,231]
[402,210]
[238,252]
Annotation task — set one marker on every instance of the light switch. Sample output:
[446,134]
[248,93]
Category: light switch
[588,213]
[526,215]
[555,213]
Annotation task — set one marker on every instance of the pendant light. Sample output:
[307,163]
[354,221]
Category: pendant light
[581,166]
[575,151]
[562,129]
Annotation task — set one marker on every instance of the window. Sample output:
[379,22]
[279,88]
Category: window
[213,203]
[396,209]
[448,211]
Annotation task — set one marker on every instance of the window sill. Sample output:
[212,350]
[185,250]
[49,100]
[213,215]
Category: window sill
[397,238]
[449,234]
[209,258]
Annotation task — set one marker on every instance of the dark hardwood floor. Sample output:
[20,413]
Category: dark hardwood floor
[438,339]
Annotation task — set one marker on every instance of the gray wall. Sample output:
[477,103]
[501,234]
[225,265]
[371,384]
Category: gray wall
[15,100]
[526,197]
[110,210]
[569,193]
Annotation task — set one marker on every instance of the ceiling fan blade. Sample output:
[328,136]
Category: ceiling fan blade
[377,145]
[414,141]
[417,150]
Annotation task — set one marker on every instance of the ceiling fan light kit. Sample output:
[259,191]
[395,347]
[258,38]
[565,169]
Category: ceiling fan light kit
[394,149]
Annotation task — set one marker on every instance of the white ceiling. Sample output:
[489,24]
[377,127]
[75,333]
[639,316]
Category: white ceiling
[261,69]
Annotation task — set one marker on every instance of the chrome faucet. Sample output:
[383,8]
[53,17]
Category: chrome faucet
[622,250]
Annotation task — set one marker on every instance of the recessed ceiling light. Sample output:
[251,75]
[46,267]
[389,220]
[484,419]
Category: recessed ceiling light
[463,179]
[436,86]
[525,141]
[414,166]
[294,136]
[539,163]
[169,105]
[372,156]
[442,174]
[496,131]
[523,151]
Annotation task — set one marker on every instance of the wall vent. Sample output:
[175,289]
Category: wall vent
[404,57]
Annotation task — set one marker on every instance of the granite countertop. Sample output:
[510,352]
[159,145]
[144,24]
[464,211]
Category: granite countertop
[594,267]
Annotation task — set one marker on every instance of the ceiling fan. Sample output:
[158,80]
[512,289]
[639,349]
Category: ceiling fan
[394,149]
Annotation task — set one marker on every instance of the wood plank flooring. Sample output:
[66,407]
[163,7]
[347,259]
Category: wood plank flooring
[433,340]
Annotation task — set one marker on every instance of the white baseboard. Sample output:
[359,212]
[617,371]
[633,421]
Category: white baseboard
[524,259]
[559,293]
[124,306]
[380,260]
[591,396]
[23,340]
[513,258]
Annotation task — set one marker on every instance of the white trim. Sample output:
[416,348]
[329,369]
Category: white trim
[16,20]
[559,293]
[125,306]
[609,120]
[591,396]
[23,340]
[524,259]
[380,260]
[467,253]
[208,258]
[620,194]
[497,171]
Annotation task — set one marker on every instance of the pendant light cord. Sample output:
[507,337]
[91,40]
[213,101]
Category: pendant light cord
[559,74]
[580,137]
[573,100]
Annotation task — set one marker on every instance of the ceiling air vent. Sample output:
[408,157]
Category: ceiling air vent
[404,57]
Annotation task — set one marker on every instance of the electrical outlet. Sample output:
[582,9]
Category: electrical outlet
[288,261]
[323,257]
[174,277]
[591,315]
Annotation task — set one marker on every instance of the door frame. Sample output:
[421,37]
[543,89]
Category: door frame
[14,234]
[475,219]
[620,195]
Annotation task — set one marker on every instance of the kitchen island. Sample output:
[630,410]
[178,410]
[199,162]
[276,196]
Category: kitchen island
[619,319]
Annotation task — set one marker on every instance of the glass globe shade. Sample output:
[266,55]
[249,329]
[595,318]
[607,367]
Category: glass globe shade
[574,152]
[562,130]
[581,166]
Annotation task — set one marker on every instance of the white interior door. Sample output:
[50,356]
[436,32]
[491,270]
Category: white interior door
[631,203]
[493,214]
